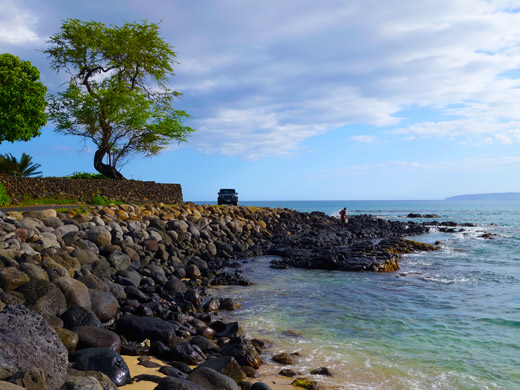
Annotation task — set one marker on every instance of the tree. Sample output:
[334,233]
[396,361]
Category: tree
[22,100]
[117,95]
[9,165]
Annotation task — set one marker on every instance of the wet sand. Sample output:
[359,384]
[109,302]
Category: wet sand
[136,369]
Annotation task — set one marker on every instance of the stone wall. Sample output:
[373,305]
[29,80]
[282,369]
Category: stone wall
[128,191]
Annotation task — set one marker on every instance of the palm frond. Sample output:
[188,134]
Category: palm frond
[9,165]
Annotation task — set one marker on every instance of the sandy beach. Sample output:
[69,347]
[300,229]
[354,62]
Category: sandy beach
[268,375]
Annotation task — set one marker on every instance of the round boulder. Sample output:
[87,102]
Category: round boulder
[34,271]
[11,278]
[43,297]
[99,236]
[108,361]
[81,383]
[212,380]
[119,260]
[137,328]
[175,285]
[91,337]
[186,353]
[79,316]
[67,337]
[75,292]
[27,342]
[104,304]
[243,351]
[192,271]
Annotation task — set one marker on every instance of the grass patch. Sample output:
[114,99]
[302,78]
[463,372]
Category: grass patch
[99,200]
[76,210]
[4,198]
[87,175]
[26,201]
[96,200]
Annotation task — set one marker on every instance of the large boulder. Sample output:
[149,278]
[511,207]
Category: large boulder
[102,379]
[137,328]
[119,260]
[81,383]
[102,269]
[176,285]
[99,236]
[84,256]
[11,278]
[67,337]
[91,337]
[79,316]
[43,297]
[28,342]
[34,271]
[75,292]
[185,352]
[60,231]
[32,379]
[104,304]
[94,283]
[204,344]
[243,351]
[108,361]
[226,365]
[212,380]
[29,223]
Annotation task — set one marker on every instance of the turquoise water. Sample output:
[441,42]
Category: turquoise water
[446,320]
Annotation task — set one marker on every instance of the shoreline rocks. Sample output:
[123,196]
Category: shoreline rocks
[134,279]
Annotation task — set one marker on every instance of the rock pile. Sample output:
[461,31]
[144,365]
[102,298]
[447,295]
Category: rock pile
[132,280]
[366,243]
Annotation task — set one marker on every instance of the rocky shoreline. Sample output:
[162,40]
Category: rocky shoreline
[78,289]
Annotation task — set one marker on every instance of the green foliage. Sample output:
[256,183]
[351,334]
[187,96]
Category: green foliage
[100,200]
[75,210]
[117,95]
[22,100]
[9,165]
[87,175]
[4,198]
[28,201]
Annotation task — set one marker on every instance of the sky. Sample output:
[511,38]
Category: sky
[312,100]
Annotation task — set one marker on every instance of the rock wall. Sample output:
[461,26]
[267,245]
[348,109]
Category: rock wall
[128,191]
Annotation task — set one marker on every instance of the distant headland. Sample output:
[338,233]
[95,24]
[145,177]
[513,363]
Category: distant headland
[493,196]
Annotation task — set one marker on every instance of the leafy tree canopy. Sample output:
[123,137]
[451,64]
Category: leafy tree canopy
[22,100]
[117,95]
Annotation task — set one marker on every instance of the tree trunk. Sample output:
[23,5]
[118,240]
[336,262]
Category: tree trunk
[105,169]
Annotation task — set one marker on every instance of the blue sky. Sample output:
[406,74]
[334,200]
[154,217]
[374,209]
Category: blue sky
[307,100]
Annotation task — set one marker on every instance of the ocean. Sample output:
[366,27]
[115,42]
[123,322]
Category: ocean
[448,319]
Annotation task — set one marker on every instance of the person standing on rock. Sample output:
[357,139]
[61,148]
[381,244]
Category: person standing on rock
[343,216]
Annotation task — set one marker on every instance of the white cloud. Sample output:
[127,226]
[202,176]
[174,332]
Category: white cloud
[251,134]
[474,164]
[363,138]
[468,130]
[260,78]
[291,70]
[16,24]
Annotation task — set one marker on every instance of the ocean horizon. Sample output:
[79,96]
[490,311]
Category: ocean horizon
[448,319]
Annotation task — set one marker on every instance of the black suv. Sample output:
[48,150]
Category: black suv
[227,196]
